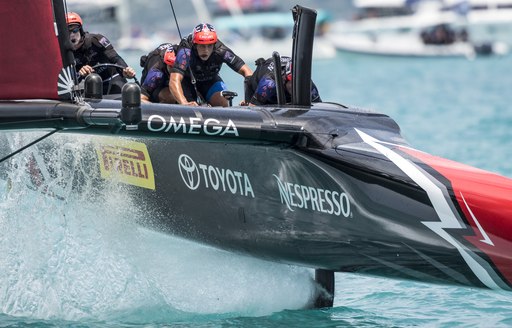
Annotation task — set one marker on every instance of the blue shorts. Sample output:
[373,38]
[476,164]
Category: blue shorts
[218,86]
[206,88]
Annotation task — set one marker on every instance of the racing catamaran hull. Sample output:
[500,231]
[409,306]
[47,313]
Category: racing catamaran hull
[331,188]
[323,186]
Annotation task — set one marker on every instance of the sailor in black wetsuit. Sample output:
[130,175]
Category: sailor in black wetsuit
[91,49]
[155,75]
[261,86]
[203,54]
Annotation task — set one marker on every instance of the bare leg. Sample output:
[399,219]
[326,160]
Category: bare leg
[165,96]
[218,100]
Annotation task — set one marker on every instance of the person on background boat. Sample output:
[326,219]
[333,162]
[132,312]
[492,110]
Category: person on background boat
[90,49]
[439,35]
[200,57]
[156,72]
[260,88]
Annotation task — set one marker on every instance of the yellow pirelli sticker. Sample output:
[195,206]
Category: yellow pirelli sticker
[126,161]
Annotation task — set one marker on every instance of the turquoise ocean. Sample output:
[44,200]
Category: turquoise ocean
[63,264]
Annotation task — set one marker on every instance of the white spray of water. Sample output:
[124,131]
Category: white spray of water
[82,255]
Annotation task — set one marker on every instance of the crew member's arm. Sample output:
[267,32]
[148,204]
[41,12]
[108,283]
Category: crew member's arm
[265,92]
[128,72]
[153,79]
[85,70]
[244,103]
[144,98]
[177,90]
[315,95]
[245,71]
[114,57]
[231,59]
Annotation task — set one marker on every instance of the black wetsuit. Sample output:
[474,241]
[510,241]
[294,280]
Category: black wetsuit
[261,86]
[206,72]
[155,75]
[97,49]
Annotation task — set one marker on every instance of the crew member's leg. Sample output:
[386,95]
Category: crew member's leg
[213,95]
[188,89]
[164,95]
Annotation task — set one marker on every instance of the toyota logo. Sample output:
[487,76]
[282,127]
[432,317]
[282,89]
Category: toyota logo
[189,172]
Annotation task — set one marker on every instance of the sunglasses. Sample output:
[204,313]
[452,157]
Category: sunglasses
[74,30]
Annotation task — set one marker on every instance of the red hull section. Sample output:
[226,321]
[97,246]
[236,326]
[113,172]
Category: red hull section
[30,60]
[485,200]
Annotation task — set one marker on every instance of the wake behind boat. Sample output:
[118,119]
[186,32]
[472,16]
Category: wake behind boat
[337,188]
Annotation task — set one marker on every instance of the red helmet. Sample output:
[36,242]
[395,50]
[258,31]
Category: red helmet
[204,33]
[73,18]
[169,57]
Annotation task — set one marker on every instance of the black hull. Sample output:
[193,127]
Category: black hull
[306,187]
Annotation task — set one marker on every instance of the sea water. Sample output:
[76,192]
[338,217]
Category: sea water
[63,263]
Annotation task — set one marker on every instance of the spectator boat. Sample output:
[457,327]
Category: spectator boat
[436,41]
[396,27]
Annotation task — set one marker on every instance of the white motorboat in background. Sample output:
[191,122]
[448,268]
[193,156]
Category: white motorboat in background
[485,20]
[399,27]
[393,16]
[413,45]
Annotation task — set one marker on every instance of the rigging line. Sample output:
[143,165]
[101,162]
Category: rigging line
[192,77]
[31,121]
[29,145]
[175,19]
